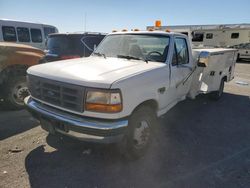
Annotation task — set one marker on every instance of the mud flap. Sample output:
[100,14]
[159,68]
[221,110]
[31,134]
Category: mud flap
[196,83]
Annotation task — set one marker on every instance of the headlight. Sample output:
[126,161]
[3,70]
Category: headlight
[106,101]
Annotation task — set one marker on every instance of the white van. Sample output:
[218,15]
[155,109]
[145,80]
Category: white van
[33,34]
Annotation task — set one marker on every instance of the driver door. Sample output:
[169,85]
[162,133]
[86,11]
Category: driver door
[181,68]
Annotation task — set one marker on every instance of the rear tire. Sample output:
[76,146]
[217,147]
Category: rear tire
[216,95]
[15,90]
[140,133]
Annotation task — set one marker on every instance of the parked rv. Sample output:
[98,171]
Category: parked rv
[116,94]
[28,33]
[212,35]
[62,46]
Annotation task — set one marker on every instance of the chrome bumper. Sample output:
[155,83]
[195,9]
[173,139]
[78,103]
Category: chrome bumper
[87,129]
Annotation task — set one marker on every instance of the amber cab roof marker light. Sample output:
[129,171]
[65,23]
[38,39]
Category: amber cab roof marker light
[158,23]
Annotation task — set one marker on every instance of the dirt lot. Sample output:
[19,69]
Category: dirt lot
[201,143]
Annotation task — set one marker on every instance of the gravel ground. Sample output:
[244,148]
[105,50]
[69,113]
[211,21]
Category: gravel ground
[201,143]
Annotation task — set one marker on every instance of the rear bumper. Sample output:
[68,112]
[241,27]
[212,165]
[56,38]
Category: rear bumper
[87,129]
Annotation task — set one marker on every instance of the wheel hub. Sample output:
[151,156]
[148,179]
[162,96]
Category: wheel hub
[141,134]
[20,92]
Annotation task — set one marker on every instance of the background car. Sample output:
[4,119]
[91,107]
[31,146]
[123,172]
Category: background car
[15,59]
[243,51]
[61,46]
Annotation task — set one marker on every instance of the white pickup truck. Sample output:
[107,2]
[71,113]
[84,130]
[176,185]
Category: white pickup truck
[116,94]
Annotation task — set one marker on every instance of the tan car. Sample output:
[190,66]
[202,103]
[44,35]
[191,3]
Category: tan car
[14,61]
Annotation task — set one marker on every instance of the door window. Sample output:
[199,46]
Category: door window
[209,35]
[9,33]
[23,34]
[180,55]
[197,37]
[36,35]
[235,35]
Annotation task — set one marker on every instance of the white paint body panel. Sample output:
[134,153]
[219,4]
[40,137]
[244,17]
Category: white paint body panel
[138,81]
[98,72]
[222,62]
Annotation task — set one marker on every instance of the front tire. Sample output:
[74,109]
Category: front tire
[140,133]
[15,90]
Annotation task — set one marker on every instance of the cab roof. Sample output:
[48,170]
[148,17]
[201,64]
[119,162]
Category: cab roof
[155,32]
[77,33]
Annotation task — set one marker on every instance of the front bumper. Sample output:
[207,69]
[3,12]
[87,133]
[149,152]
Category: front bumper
[83,128]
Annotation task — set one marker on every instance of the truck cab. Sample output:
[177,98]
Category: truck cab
[116,94]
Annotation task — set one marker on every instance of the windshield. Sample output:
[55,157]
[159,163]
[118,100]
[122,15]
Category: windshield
[135,46]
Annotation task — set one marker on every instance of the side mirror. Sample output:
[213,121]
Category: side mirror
[203,59]
[199,64]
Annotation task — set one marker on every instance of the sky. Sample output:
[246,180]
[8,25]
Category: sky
[107,15]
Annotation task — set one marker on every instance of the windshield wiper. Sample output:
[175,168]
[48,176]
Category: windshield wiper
[99,54]
[132,57]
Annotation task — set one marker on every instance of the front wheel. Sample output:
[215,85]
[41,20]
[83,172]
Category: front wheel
[15,90]
[140,133]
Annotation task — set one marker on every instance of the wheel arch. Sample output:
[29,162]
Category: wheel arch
[224,78]
[151,103]
[12,70]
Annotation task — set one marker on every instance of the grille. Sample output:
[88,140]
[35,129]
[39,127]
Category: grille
[57,93]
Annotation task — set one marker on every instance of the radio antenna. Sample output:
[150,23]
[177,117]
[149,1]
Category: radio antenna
[85,20]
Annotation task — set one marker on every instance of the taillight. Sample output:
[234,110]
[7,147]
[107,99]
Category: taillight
[69,57]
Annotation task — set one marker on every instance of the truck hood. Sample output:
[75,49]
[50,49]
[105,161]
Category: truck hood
[92,71]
